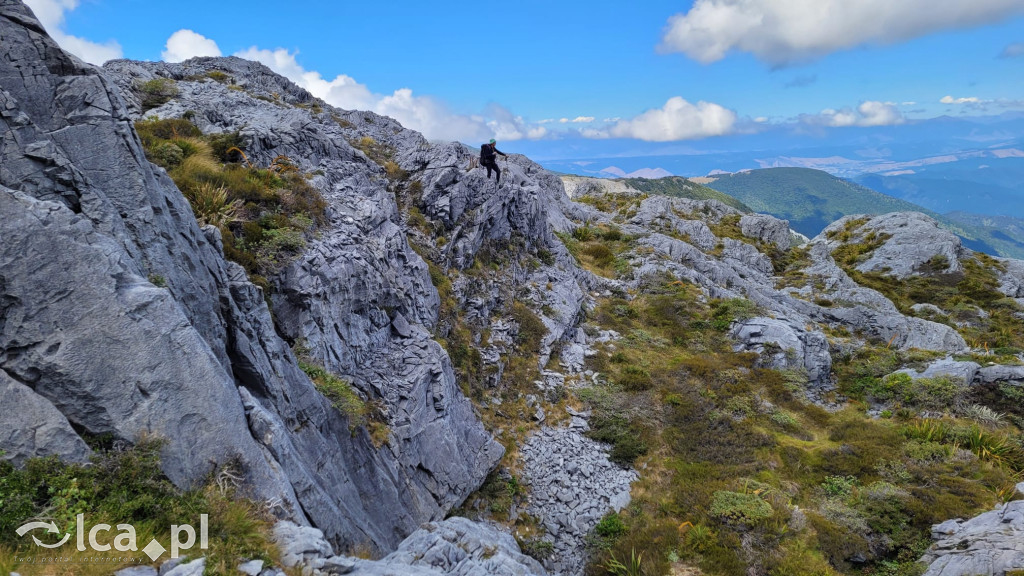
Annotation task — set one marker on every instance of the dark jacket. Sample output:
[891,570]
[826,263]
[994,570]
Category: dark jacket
[487,153]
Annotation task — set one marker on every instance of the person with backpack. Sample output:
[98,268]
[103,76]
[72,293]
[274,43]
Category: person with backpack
[488,159]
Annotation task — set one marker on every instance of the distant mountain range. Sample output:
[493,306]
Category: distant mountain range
[967,165]
[809,199]
[679,187]
[985,184]
[650,173]
[813,199]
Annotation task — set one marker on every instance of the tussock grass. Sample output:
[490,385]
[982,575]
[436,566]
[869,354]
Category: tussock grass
[265,214]
[125,485]
[774,483]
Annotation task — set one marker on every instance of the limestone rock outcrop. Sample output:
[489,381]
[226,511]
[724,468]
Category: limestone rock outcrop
[990,544]
[119,313]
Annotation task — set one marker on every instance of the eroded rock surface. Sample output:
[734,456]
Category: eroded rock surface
[990,544]
[572,486]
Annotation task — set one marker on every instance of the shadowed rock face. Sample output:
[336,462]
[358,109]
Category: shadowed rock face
[119,315]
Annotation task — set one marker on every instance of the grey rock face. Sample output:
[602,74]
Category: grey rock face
[359,298]
[987,545]
[1011,281]
[120,313]
[993,374]
[456,546]
[767,229]
[572,485]
[33,426]
[299,544]
[251,568]
[137,571]
[914,240]
[81,326]
[782,346]
[963,373]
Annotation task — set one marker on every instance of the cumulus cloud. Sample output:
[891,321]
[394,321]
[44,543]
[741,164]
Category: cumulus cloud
[787,31]
[676,120]
[507,126]
[185,44]
[1013,51]
[868,113]
[343,91]
[422,113]
[968,100]
[51,15]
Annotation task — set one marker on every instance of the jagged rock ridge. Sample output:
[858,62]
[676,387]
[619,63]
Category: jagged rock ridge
[107,282]
[170,339]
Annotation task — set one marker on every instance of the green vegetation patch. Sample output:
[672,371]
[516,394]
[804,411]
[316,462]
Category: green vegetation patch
[265,215]
[126,486]
[599,249]
[156,92]
[739,473]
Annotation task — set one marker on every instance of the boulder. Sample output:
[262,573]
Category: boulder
[963,372]
[785,346]
[990,544]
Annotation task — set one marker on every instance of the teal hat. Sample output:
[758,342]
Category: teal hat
[493,141]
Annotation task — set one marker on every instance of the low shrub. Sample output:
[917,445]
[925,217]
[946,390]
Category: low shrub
[610,526]
[635,379]
[156,92]
[126,485]
[739,508]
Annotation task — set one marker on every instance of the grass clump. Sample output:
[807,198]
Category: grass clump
[739,508]
[725,312]
[599,248]
[124,485]
[346,399]
[265,215]
[156,92]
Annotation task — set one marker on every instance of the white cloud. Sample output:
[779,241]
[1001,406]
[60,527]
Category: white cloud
[676,120]
[583,119]
[421,113]
[968,100]
[51,15]
[507,126]
[868,113]
[343,91]
[787,31]
[185,44]
[431,117]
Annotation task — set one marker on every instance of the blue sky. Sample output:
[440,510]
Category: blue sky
[653,71]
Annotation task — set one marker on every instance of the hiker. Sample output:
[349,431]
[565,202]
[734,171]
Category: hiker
[488,159]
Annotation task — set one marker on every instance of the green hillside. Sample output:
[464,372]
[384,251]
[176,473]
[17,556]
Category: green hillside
[1004,233]
[809,199]
[679,187]
[813,199]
